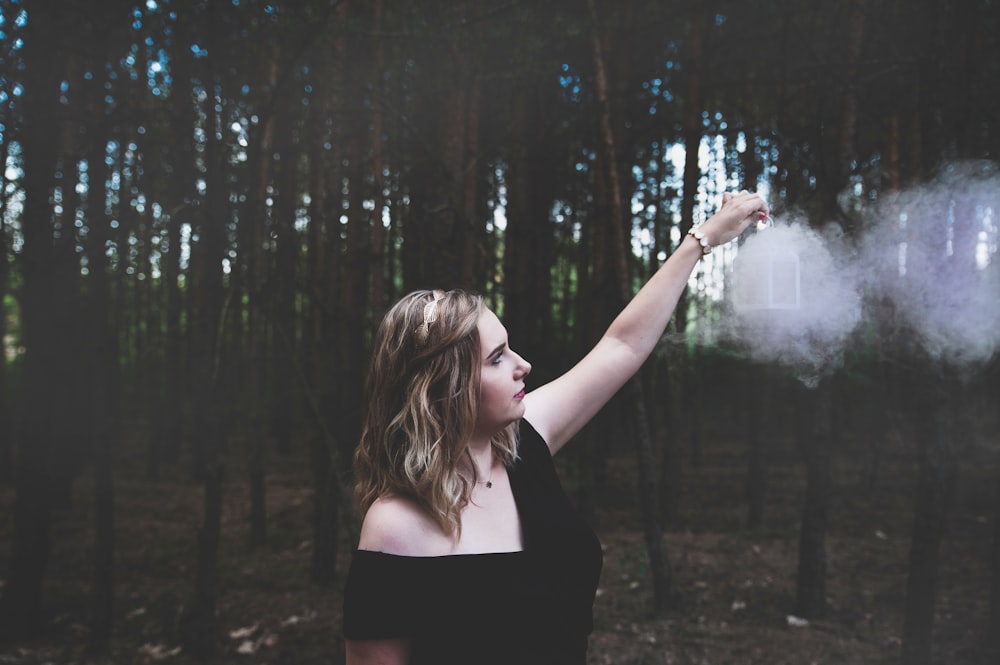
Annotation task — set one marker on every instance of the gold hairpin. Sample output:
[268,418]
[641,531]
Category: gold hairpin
[423,331]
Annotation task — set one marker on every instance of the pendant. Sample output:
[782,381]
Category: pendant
[489,484]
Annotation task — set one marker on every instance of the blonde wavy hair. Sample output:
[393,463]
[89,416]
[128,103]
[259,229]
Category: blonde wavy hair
[422,404]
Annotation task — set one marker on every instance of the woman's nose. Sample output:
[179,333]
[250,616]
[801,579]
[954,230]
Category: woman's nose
[523,366]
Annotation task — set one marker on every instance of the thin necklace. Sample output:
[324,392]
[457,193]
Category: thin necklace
[489,481]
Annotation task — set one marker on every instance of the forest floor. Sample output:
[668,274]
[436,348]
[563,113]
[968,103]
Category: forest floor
[735,587]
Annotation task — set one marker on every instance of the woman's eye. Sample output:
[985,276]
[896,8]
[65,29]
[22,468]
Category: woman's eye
[496,359]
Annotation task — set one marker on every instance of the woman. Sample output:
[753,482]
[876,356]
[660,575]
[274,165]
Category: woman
[469,550]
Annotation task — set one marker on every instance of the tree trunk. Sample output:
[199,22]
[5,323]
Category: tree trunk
[849,104]
[815,443]
[21,596]
[252,285]
[200,625]
[169,418]
[353,264]
[353,305]
[759,396]
[6,439]
[473,270]
[692,139]
[937,479]
[316,354]
[283,311]
[327,513]
[649,496]
[692,379]
[592,287]
[671,464]
[379,297]
[528,238]
[104,392]
[992,647]
[171,413]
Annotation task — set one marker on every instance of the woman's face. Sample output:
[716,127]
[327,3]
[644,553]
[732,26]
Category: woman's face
[501,384]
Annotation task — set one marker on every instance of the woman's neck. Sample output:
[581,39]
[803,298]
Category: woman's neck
[482,457]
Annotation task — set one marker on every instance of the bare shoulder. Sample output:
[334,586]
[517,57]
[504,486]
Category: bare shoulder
[398,525]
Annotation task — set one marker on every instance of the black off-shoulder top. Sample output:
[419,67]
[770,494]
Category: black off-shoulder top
[525,608]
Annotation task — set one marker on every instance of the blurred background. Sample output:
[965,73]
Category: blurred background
[207,205]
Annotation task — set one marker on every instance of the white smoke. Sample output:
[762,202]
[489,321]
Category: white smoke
[923,274]
[791,301]
[930,254]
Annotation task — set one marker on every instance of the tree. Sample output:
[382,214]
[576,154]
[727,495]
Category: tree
[10,119]
[933,496]
[659,564]
[210,404]
[104,355]
[105,395]
[6,444]
[815,443]
[759,412]
[21,598]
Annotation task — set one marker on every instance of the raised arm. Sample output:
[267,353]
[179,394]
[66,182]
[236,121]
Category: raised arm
[560,408]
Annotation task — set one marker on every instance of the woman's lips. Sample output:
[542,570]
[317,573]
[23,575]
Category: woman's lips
[520,394]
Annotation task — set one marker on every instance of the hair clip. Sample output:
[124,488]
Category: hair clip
[423,331]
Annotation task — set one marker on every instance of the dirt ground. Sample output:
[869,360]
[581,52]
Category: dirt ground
[734,587]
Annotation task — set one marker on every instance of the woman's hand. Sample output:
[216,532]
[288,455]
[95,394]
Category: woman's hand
[738,212]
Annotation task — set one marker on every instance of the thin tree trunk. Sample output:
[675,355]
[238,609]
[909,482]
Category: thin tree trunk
[253,277]
[354,296]
[591,265]
[327,512]
[21,596]
[316,354]
[992,646]
[692,379]
[284,340]
[170,419]
[354,304]
[671,467]
[182,192]
[472,270]
[379,297]
[6,439]
[940,394]
[671,464]
[201,623]
[528,237]
[692,140]
[652,529]
[759,394]
[934,495]
[849,102]
[815,444]
[104,401]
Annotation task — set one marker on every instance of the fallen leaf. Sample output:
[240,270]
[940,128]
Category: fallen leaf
[243,633]
[796,622]
[158,651]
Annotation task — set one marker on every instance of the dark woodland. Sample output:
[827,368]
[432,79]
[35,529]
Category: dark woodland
[207,205]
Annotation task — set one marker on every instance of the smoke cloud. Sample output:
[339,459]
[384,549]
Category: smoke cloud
[923,275]
[930,257]
[791,301]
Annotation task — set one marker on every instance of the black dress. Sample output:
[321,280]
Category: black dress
[525,608]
